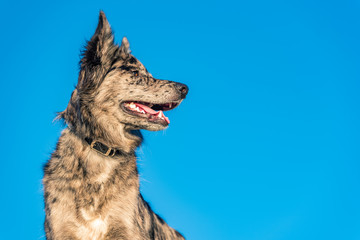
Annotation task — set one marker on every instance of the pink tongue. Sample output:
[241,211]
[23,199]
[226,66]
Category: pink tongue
[146,108]
[152,112]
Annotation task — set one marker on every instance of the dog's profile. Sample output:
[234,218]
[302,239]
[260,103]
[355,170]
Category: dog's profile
[91,183]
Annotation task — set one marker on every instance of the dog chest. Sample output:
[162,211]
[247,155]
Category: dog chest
[92,227]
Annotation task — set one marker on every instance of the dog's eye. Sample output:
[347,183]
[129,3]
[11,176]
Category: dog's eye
[136,73]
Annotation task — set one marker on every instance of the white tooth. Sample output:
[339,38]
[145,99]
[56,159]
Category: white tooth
[170,105]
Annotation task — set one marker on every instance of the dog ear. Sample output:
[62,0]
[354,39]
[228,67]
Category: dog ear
[125,48]
[101,47]
[97,57]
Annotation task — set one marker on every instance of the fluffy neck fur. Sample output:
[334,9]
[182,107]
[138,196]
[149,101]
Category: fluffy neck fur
[112,133]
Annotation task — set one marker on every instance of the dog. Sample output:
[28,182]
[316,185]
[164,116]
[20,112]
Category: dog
[91,182]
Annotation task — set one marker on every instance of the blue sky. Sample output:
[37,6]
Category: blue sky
[266,145]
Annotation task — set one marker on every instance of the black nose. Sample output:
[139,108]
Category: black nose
[182,88]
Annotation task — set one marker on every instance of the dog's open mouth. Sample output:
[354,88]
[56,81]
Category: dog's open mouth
[153,112]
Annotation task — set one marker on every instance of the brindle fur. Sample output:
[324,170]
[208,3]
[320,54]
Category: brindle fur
[88,195]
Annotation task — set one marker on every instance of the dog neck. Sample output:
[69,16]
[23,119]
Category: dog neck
[76,153]
[123,143]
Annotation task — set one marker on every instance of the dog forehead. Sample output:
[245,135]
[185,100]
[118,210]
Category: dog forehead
[135,63]
[126,67]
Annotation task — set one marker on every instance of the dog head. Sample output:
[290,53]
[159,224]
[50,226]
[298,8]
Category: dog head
[115,90]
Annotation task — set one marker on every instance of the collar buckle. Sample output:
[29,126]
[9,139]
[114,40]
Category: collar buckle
[102,148]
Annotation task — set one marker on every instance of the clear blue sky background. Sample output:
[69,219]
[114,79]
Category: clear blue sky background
[265,147]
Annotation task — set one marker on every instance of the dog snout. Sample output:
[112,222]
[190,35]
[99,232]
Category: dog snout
[183,89]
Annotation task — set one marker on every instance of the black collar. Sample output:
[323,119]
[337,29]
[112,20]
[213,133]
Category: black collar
[103,149]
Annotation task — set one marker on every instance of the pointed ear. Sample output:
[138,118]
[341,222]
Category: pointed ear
[125,48]
[100,47]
